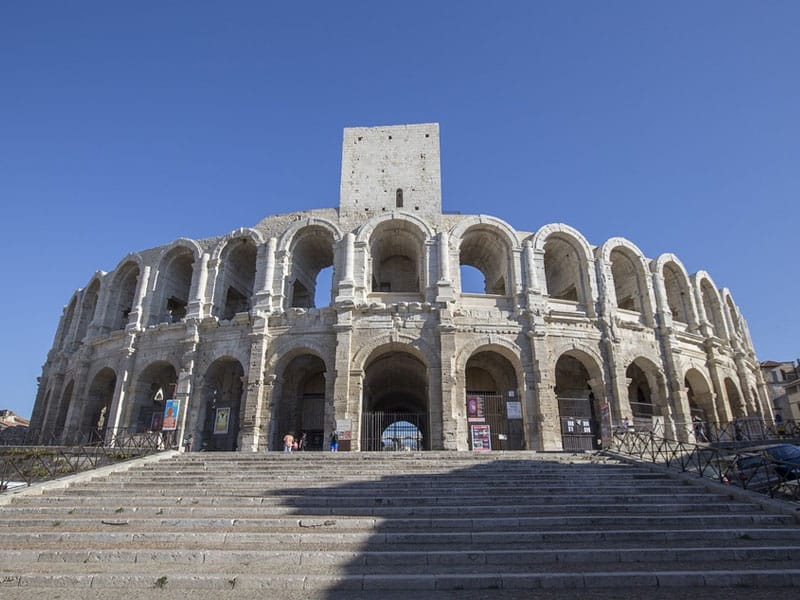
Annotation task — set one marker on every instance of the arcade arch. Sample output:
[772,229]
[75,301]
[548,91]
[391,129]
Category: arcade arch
[483,249]
[677,291]
[491,383]
[124,295]
[311,254]
[236,277]
[154,385]
[219,411]
[95,414]
[577,405]
[300,406]
[397,254]
[88,308]
[395,390]
[171,295]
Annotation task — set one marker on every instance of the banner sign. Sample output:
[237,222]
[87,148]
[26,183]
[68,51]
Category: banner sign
[170,421]
[481,438]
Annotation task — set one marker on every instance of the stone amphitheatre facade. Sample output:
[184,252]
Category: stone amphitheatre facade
[563,341]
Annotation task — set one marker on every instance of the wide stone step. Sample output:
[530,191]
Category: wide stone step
[298,562]
[123,537]
[569,522]
[346,585]
[367,490]
[101,509]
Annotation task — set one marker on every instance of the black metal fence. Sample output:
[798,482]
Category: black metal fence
[749,467]
[29,461]
[393,432]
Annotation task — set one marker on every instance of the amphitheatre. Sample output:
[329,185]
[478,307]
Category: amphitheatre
[563,341]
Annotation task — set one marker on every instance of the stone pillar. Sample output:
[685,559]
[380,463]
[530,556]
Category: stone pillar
[135,317]
[198,289]
[252,412]
[346,385]
[183,389]
[213,274]
[444,286]
[544,423]
[347,284]
[453,434]
[266,276]
[121,393]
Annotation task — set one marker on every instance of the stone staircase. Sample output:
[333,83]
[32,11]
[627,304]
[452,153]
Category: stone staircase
[368,525]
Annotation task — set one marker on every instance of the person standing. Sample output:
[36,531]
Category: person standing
[288,441]
[334,442]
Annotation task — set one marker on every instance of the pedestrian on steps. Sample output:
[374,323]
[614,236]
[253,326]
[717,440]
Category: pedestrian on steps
[288,442]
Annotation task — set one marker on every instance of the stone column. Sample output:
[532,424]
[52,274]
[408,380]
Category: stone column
[444,285]
[453,434]
[135,317]
[544,423]
[267,275]
[198,291]
[252,411]
[183,389]
[343,405]
[347,284]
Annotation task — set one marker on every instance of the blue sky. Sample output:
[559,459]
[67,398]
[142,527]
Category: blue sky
[126,125]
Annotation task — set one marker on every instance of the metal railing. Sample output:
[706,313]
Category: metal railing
[31,462]
[751,468]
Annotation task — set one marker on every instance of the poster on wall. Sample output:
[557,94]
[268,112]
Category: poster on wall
[170,421]
[475,411]
[221,421]
[514,410]
[481,438]
[345,429]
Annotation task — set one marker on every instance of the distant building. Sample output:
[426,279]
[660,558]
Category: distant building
[12,427]
[783,383]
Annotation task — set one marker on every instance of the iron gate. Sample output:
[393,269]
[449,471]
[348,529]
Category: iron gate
[578,424]
[393,431]
[506,434]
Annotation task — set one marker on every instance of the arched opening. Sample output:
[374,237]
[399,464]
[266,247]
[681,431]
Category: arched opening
[563,272]
[219,411]
[712,307]
[301,402]
[701,400]
[88,308]
[66,324]
[396,252]
[734,399]
[643,395]
[236,278]
[312,252]
[493,400]
[395,391]
[576,405]
[734,316]
[484,250]
[677,293]
[627,281]
[171,297]
[94,419]
[58,432]
[154,386]
[122,301]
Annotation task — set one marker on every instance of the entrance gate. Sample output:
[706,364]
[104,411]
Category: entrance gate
[491,409]
[393,431]
[579,428]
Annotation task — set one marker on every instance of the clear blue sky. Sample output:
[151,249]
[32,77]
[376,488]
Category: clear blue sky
[126,125]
